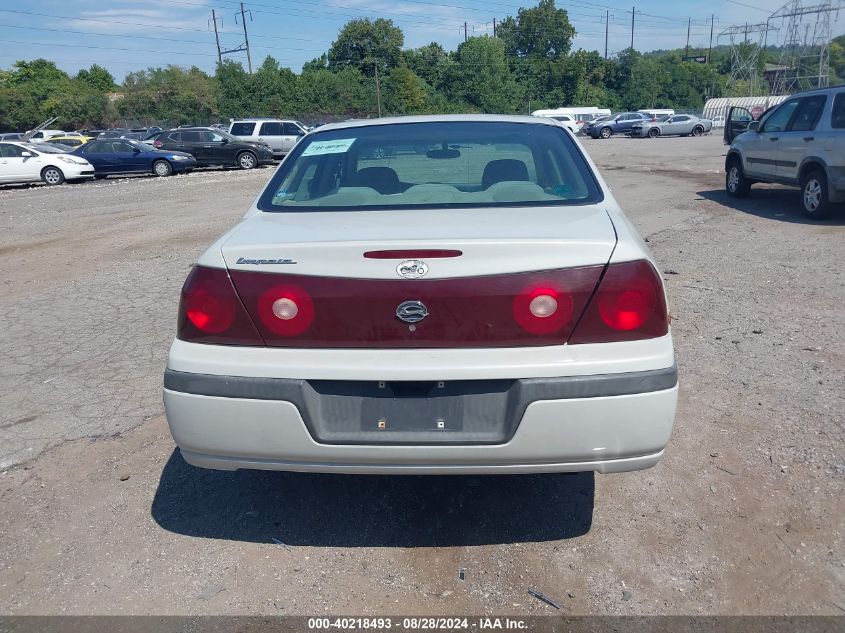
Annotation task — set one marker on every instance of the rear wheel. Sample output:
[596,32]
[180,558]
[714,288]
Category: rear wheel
[653,133]
[247,160]
[606,132]
[162,168]
[814,196]
[697,130]
[52,175]
[736,184]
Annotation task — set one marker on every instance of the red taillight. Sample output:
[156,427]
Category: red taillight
[629,305]
[285,309]
[211,312]
[157,144]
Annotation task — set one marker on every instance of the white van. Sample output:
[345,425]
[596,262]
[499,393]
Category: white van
[656,112]
[280,134]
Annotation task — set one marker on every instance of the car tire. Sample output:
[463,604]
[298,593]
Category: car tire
[52,176]
[814,199]
[736,184]
[697,130]
[653,133]
[162,168]
[606,132]
[247,160]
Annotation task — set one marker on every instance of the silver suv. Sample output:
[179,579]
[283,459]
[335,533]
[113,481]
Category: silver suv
[280,134]
[800,142]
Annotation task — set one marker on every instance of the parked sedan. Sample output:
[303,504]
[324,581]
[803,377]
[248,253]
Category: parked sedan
[213,147]
[616,124]
[678,125]
[121,156]
[30,162]
[484,307]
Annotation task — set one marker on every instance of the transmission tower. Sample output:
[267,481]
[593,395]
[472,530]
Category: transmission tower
[805,57]
[746,41]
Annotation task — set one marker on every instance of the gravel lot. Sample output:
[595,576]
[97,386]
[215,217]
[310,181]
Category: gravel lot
[744,515]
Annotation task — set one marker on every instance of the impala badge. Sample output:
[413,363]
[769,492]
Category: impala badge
[412,269]
[411,311]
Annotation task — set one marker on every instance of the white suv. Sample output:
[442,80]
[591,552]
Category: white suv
[281,135]
[800,142]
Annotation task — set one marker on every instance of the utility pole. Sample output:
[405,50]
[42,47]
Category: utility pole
[710,50]
[606,31]
[689,24]
[217,38]
[378,91]
[246,38]
[465,31]
[494,27]
[633,15]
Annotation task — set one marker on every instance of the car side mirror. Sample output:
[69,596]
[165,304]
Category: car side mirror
[224,141]
[26,154]
[754,126]
[136,150]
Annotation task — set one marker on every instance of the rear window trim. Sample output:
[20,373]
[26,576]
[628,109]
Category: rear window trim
[265,205]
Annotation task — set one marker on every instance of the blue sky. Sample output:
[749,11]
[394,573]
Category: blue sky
[127,35]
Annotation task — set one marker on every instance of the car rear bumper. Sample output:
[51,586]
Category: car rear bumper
[605,423]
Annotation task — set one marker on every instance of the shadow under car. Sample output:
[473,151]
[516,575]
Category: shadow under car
[331,510]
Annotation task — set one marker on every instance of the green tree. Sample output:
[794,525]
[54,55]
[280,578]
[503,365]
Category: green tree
[481,78]
[171,95]
[429,62]
[97,78]
[366,44]
[273,90]
[837,59]
[234,98]
[542,31]
[404,92]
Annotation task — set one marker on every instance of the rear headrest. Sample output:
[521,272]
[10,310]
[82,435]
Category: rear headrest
[382,179]
[505,169]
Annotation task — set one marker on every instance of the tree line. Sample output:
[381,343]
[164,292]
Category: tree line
[528,65]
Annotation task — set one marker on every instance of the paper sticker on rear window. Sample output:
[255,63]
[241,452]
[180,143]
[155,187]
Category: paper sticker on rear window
[338,146]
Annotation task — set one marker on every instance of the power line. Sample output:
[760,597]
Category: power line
[749,6]
[141,24]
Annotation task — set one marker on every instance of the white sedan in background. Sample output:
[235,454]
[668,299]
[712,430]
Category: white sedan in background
[26,162]
[473,300]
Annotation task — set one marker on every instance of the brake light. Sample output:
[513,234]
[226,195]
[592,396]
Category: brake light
[428,253]
[629,305]
[211,312]
[157,144]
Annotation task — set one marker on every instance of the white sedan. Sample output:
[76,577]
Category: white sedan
[472,301]
[25,162]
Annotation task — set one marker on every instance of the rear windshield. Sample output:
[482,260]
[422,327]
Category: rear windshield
[434,164]
[242,129]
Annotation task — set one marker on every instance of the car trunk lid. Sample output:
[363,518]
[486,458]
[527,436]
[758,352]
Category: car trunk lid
[419,278]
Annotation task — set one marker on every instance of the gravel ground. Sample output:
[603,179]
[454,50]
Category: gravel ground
[101,515]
